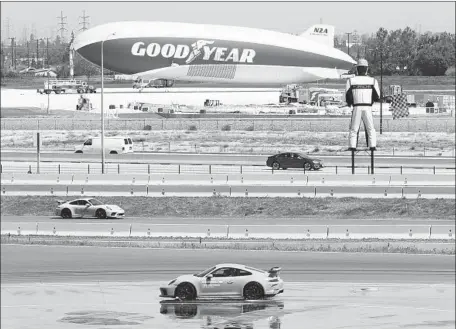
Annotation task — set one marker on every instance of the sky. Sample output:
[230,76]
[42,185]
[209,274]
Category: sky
[292,17]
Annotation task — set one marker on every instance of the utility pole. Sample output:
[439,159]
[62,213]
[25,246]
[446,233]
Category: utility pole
[62,24]
[348,42]
[13,62]
[84,22]
[37,53]
[47,53]
[28,54]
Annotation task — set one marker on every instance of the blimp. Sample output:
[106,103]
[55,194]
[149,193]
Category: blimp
[171,51]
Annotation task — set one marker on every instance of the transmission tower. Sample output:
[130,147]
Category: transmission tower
[84,22]
[62,24]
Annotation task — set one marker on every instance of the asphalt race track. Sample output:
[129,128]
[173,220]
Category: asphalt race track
[117,288]
[21,264]
[183,158]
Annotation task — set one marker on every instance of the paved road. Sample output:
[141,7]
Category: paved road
[182,158]
[88,264]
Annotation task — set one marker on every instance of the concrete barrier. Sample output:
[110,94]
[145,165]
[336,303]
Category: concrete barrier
[7,178]
[358,191]
[177,179]
[108,179]
[29,189]
[363,179]
[379,231]
[428,192]
[422,179]
[267,178]
[96,228]
[188,190]
[40,178]
[272,191]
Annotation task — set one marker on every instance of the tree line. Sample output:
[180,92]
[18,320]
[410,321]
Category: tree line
[404,52]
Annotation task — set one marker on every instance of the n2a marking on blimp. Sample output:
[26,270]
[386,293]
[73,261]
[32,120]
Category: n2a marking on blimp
[200,47]
[320,30]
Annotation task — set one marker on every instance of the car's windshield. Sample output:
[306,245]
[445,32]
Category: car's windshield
[205,272]
[95,202]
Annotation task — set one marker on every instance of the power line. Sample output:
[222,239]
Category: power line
[62,24]
[84,22]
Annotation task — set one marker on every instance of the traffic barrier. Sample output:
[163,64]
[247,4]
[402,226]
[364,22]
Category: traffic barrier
[428,192]
[112,190]
[114,179]
[185,190]
[423,180]
[342,180]
[175,179]
[356,191]
[38,178]
[28,189]
[7,178]
[276,179]
[272,191]
[234,231]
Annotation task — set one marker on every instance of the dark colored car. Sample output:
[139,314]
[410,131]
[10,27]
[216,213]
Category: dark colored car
[294,160]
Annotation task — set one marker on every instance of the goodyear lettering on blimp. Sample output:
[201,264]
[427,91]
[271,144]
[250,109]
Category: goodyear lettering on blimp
[199,48]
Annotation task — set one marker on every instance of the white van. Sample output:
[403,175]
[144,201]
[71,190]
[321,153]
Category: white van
[112,145]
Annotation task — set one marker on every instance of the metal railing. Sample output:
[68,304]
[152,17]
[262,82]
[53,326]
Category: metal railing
[158,168]
[227,124]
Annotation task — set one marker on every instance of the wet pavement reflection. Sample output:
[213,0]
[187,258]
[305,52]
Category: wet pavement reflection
[222,314]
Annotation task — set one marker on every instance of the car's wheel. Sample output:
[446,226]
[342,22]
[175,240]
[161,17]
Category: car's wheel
[113,152]
[276,166]
[100,213]
[66,213]
[78,151]
[253,291]
[307,166]
[185,291]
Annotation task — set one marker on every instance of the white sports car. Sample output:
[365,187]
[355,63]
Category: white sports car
[226,280]
[88,207]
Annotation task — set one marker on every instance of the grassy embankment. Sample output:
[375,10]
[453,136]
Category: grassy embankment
[253,208]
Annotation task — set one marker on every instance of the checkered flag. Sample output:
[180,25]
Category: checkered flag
[399,106]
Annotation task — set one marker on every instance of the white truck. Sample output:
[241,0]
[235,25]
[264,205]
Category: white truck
[112,145]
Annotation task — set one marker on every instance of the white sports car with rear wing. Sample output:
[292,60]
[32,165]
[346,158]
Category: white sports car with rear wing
[226,280]
[88,207]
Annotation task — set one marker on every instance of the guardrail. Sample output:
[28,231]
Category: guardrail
[366,186]
[306,232]
[198,168]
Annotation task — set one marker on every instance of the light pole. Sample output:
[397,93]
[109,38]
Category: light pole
[102,110]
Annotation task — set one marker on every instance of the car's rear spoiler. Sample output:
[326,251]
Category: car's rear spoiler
[274,271]
[61,201]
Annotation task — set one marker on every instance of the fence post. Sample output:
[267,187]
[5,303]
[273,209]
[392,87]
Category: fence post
[88,168]
[393,150]
[148,168]
[336,170]
[210,169]
[434,170]
[118,168]
[179,169]
[241,169]
[401,170]
[59,168]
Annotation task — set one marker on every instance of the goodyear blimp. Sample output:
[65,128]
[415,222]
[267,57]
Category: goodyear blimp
[214,53]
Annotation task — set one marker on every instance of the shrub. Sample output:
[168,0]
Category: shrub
[250,128]
[192,128]
[226,128]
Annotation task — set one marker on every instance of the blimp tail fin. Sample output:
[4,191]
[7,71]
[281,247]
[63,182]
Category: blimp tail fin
[320,33]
